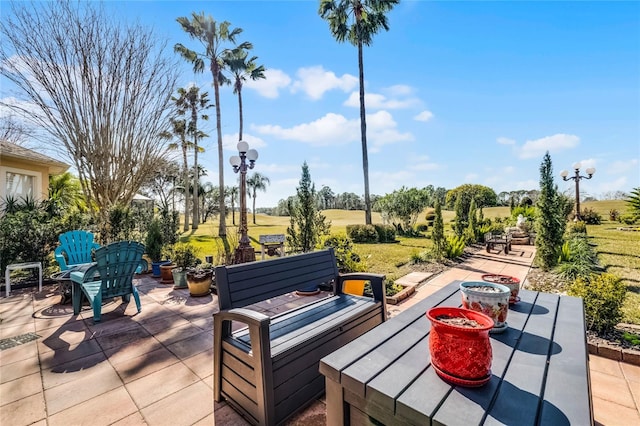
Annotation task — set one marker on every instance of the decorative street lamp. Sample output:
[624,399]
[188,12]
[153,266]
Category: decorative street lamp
[577,177]
[245,252]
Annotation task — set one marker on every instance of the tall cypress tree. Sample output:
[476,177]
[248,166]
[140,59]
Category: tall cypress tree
[307,223]
[460,223]
[437,232]
[550,223]
[471,232]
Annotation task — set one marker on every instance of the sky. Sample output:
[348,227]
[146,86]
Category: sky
[456,92]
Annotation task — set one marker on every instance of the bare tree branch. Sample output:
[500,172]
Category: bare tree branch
[100,89]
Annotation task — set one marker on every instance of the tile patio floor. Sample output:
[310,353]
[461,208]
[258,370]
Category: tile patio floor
[156,367]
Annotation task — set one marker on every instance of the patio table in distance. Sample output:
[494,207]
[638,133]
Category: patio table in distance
[540,372]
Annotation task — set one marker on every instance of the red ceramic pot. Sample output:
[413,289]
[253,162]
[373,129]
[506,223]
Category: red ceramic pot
[512,282]
[459,354]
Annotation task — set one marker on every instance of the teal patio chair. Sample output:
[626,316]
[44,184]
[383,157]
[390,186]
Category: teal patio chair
[111,276]
[75,248]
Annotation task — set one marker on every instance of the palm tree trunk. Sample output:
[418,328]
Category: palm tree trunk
[240,109]
[253,210]
[233,210]
[222,228]
[185,184]
[196,204]
[363,131]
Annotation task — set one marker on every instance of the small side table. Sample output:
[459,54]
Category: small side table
[18,266]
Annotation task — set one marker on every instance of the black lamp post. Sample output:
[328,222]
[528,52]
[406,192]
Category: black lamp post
[577,177]
[244,252]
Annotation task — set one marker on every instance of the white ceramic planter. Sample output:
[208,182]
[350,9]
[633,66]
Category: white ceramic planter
[492,301]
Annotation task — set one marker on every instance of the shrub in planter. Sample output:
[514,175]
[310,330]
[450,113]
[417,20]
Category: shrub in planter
[185,256]
[603,296]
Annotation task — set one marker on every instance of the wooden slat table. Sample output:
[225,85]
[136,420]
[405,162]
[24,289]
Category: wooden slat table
[540,371]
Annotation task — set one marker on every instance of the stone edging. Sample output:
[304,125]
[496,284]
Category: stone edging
[630,356]
[407,291]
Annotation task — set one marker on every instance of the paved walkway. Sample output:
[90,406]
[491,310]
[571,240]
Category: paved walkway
[156,368]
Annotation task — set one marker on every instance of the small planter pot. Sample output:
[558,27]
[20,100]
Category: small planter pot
[489,299]
[512,282]
[459,345]
[155,268]
[179,278]
[199,282]
[166,273]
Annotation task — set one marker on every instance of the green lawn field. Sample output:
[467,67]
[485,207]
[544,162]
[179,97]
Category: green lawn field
[618,251]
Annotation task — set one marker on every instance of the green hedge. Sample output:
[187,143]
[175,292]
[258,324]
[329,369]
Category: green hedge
[362,233]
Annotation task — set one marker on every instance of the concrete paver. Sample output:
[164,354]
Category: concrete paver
[156,367]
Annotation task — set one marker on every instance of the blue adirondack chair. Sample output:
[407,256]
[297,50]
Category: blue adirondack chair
[75,248]
[111,276]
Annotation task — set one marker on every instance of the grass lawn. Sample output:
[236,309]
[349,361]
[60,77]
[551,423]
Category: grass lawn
[618,251]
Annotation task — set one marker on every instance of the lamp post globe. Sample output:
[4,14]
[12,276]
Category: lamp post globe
[244,252]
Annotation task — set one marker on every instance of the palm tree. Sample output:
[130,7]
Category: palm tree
[213,36]
[242,69]
[233,193]
[357,21]
[192,102]
[179,131]
[254,183]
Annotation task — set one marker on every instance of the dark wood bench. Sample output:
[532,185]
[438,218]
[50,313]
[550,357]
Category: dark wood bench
[269,369]
[492,239]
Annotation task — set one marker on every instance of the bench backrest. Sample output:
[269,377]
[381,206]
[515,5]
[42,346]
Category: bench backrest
[247,283]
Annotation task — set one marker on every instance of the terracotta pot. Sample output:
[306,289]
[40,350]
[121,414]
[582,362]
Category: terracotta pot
[489,299]
[165,273]
[199,282]
[460,354]
[512,282]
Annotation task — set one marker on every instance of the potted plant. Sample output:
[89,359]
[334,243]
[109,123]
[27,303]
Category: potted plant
[153,245]
[185,256]
[166,268]
[459,345]
[488,298]
[512,282]
[199,280]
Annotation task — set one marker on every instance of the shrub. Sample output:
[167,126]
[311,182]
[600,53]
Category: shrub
[577,259]
[347,259]
[421,227]
[430,216]
[185,255]
[590,217]
[386,233]
[392,288]
[362,233]
[577,228]
[454,247]
[628,219]
[603,296]
[154,242]
[614,215]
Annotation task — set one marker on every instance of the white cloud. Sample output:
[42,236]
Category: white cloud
[618,167]
[555,143]
[398,90]
[506,141]
[315,81]
[332,129]
[279,168]
[424,116]
[335,129]
[421,163]
[378,101]
[382,130]
[270,86]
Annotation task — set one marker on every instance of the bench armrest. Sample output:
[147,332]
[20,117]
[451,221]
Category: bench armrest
[377,283]
[245,316]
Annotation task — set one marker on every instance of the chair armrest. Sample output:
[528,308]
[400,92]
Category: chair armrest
[80,277]
[377,283]
[62,262]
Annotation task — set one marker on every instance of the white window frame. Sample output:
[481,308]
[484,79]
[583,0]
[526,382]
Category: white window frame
[37,190]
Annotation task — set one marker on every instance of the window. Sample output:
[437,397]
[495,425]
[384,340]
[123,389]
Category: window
[20,183]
